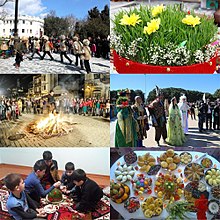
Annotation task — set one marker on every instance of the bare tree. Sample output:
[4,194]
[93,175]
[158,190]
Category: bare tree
[3,14]
[71,20]
[3,2]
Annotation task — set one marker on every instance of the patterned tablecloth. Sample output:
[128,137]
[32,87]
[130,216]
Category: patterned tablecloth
[63,213]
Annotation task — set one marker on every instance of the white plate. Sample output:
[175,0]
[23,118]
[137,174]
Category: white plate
[50,208]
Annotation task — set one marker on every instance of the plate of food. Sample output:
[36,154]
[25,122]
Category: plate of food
[152,206]
[193,191]
[185,158]
[169,160]
[194,172]
[49,209]
[119,192]
[124,173]
[214,207]
[145,162]
[215,190]
[212,177]
[206,163]
[169,186]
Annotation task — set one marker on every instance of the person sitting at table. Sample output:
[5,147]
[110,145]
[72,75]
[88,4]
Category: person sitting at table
[32,183]
[67,185]
[19,204]
[51,174]
[87,191]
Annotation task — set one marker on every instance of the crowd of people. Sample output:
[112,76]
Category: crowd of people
[82,50]
[170,119]
[25,195]
[12,109]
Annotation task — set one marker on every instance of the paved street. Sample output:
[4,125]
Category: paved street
[37,66]
[87,131]
[207,139]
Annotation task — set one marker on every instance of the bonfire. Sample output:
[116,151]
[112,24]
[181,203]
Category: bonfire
[51,126]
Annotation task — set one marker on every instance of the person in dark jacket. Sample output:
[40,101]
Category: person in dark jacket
[88,192]
[19,203]
[67,178]
[51,174]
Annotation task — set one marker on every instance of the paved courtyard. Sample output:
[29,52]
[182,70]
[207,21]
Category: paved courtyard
[87,131]
[207,139]
[37,66]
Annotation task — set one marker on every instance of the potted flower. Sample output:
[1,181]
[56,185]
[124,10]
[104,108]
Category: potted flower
[163,40]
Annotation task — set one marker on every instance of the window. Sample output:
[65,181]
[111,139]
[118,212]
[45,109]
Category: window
[3,30]
[10,22]
[30,22]
[44,87]
[96,76]
[22,30]
[23,21]
[30,31]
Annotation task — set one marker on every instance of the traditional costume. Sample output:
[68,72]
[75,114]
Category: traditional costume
[126,126]
[157,112]
[183,107]
[140,116]
[175,135]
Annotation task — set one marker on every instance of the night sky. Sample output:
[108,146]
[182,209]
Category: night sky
[10,81]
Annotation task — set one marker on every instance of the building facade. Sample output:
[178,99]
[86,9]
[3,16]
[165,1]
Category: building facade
[97,86]
[28,26]
[43,84]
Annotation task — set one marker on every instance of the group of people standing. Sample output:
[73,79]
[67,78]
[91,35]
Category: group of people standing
[12,109]
[170,123]
[83,51]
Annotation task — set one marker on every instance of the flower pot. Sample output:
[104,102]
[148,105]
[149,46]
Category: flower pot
[123,65]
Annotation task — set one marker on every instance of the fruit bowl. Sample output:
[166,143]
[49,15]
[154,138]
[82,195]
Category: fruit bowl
[119,192]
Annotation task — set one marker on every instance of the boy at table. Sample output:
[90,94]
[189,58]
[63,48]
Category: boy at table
[51,173]
[19,204]
[88,192]
[32,183]
[67,185]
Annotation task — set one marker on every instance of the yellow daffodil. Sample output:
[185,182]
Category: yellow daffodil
[190,20]
[157,10]
[132,20]
[152,26]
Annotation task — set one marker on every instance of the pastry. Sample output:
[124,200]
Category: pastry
[146,162]
[169,160]
[124,173]
[194,172]
[212,177]
[216,192]
[152,206]
[185,158]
